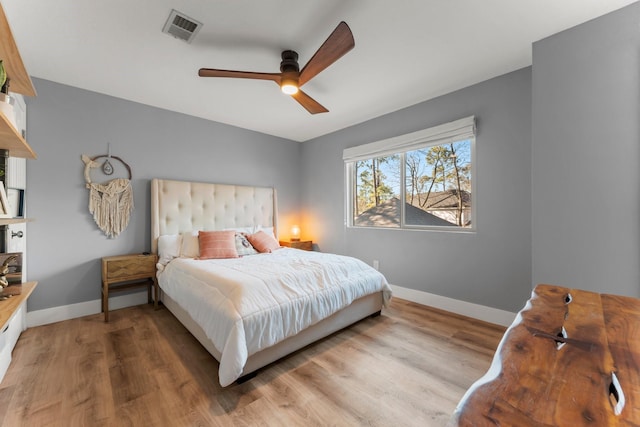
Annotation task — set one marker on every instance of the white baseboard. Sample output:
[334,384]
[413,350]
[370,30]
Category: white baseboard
[71,311]
[477,311]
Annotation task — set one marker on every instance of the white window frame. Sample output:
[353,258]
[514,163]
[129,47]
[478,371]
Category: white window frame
[455,131]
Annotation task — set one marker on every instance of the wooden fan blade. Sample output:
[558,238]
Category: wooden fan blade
[337,44]
[212,72]
[309,103]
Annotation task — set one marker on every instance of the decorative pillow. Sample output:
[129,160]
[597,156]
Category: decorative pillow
[268,230]
[169,247]
[217,244]
[243,247]
[190,247]
[263,242]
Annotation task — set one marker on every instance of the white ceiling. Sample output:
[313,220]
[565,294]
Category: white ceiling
[407,51]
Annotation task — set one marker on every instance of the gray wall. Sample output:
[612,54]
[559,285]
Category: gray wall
[491,266]
[64,244]
[586,194]
[558,195]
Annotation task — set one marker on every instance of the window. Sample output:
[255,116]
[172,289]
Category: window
[422,180]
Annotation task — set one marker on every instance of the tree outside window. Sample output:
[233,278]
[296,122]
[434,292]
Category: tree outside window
[437,190]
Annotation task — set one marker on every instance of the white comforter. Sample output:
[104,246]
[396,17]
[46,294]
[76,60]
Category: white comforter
[247,304]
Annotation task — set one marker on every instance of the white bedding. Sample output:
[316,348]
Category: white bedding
[247,304]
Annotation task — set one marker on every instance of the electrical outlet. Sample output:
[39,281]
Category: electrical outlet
[376,264]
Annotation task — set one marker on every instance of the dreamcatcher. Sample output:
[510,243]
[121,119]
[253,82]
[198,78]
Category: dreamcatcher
[110,203]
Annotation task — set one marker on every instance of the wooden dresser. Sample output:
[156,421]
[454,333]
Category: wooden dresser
[571,358]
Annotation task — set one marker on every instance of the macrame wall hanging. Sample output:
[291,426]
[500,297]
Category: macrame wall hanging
[110,203]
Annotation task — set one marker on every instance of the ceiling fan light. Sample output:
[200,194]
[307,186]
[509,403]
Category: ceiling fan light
[289,89]
[289,86]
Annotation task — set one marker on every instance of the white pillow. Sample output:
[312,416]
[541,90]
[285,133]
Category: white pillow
[245,230]
[190,245]
[168,247]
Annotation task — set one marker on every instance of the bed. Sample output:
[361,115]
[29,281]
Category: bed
[251,310]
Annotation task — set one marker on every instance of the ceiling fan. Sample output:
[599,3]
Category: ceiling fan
[291,78]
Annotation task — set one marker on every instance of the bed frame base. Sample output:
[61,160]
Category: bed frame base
[248,377]
[367,306]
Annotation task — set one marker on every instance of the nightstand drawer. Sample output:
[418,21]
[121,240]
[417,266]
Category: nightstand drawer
[129,267]
[305,245]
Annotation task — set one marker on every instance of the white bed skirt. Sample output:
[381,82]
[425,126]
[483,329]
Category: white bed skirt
[357,310]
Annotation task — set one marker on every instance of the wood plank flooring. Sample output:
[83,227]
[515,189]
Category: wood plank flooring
[407,367]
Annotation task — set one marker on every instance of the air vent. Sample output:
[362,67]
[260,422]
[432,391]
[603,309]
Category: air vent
[181,26]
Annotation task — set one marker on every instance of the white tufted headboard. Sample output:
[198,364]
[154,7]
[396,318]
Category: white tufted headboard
[179,206]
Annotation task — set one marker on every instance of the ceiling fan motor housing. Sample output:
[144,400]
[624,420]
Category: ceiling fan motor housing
[290,72]
[289,62]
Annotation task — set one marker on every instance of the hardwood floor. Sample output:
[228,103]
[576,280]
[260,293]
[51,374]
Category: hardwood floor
[407,367]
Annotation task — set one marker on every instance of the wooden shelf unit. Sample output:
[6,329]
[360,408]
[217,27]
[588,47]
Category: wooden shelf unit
[7,221]
[16,71]
[9,306]
[13,310]
[10,138]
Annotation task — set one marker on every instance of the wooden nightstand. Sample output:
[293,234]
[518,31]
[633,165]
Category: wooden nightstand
[126,272]
[306,245]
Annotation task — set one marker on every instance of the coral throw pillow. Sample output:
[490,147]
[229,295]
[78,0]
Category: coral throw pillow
[217,244]
[263,242]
